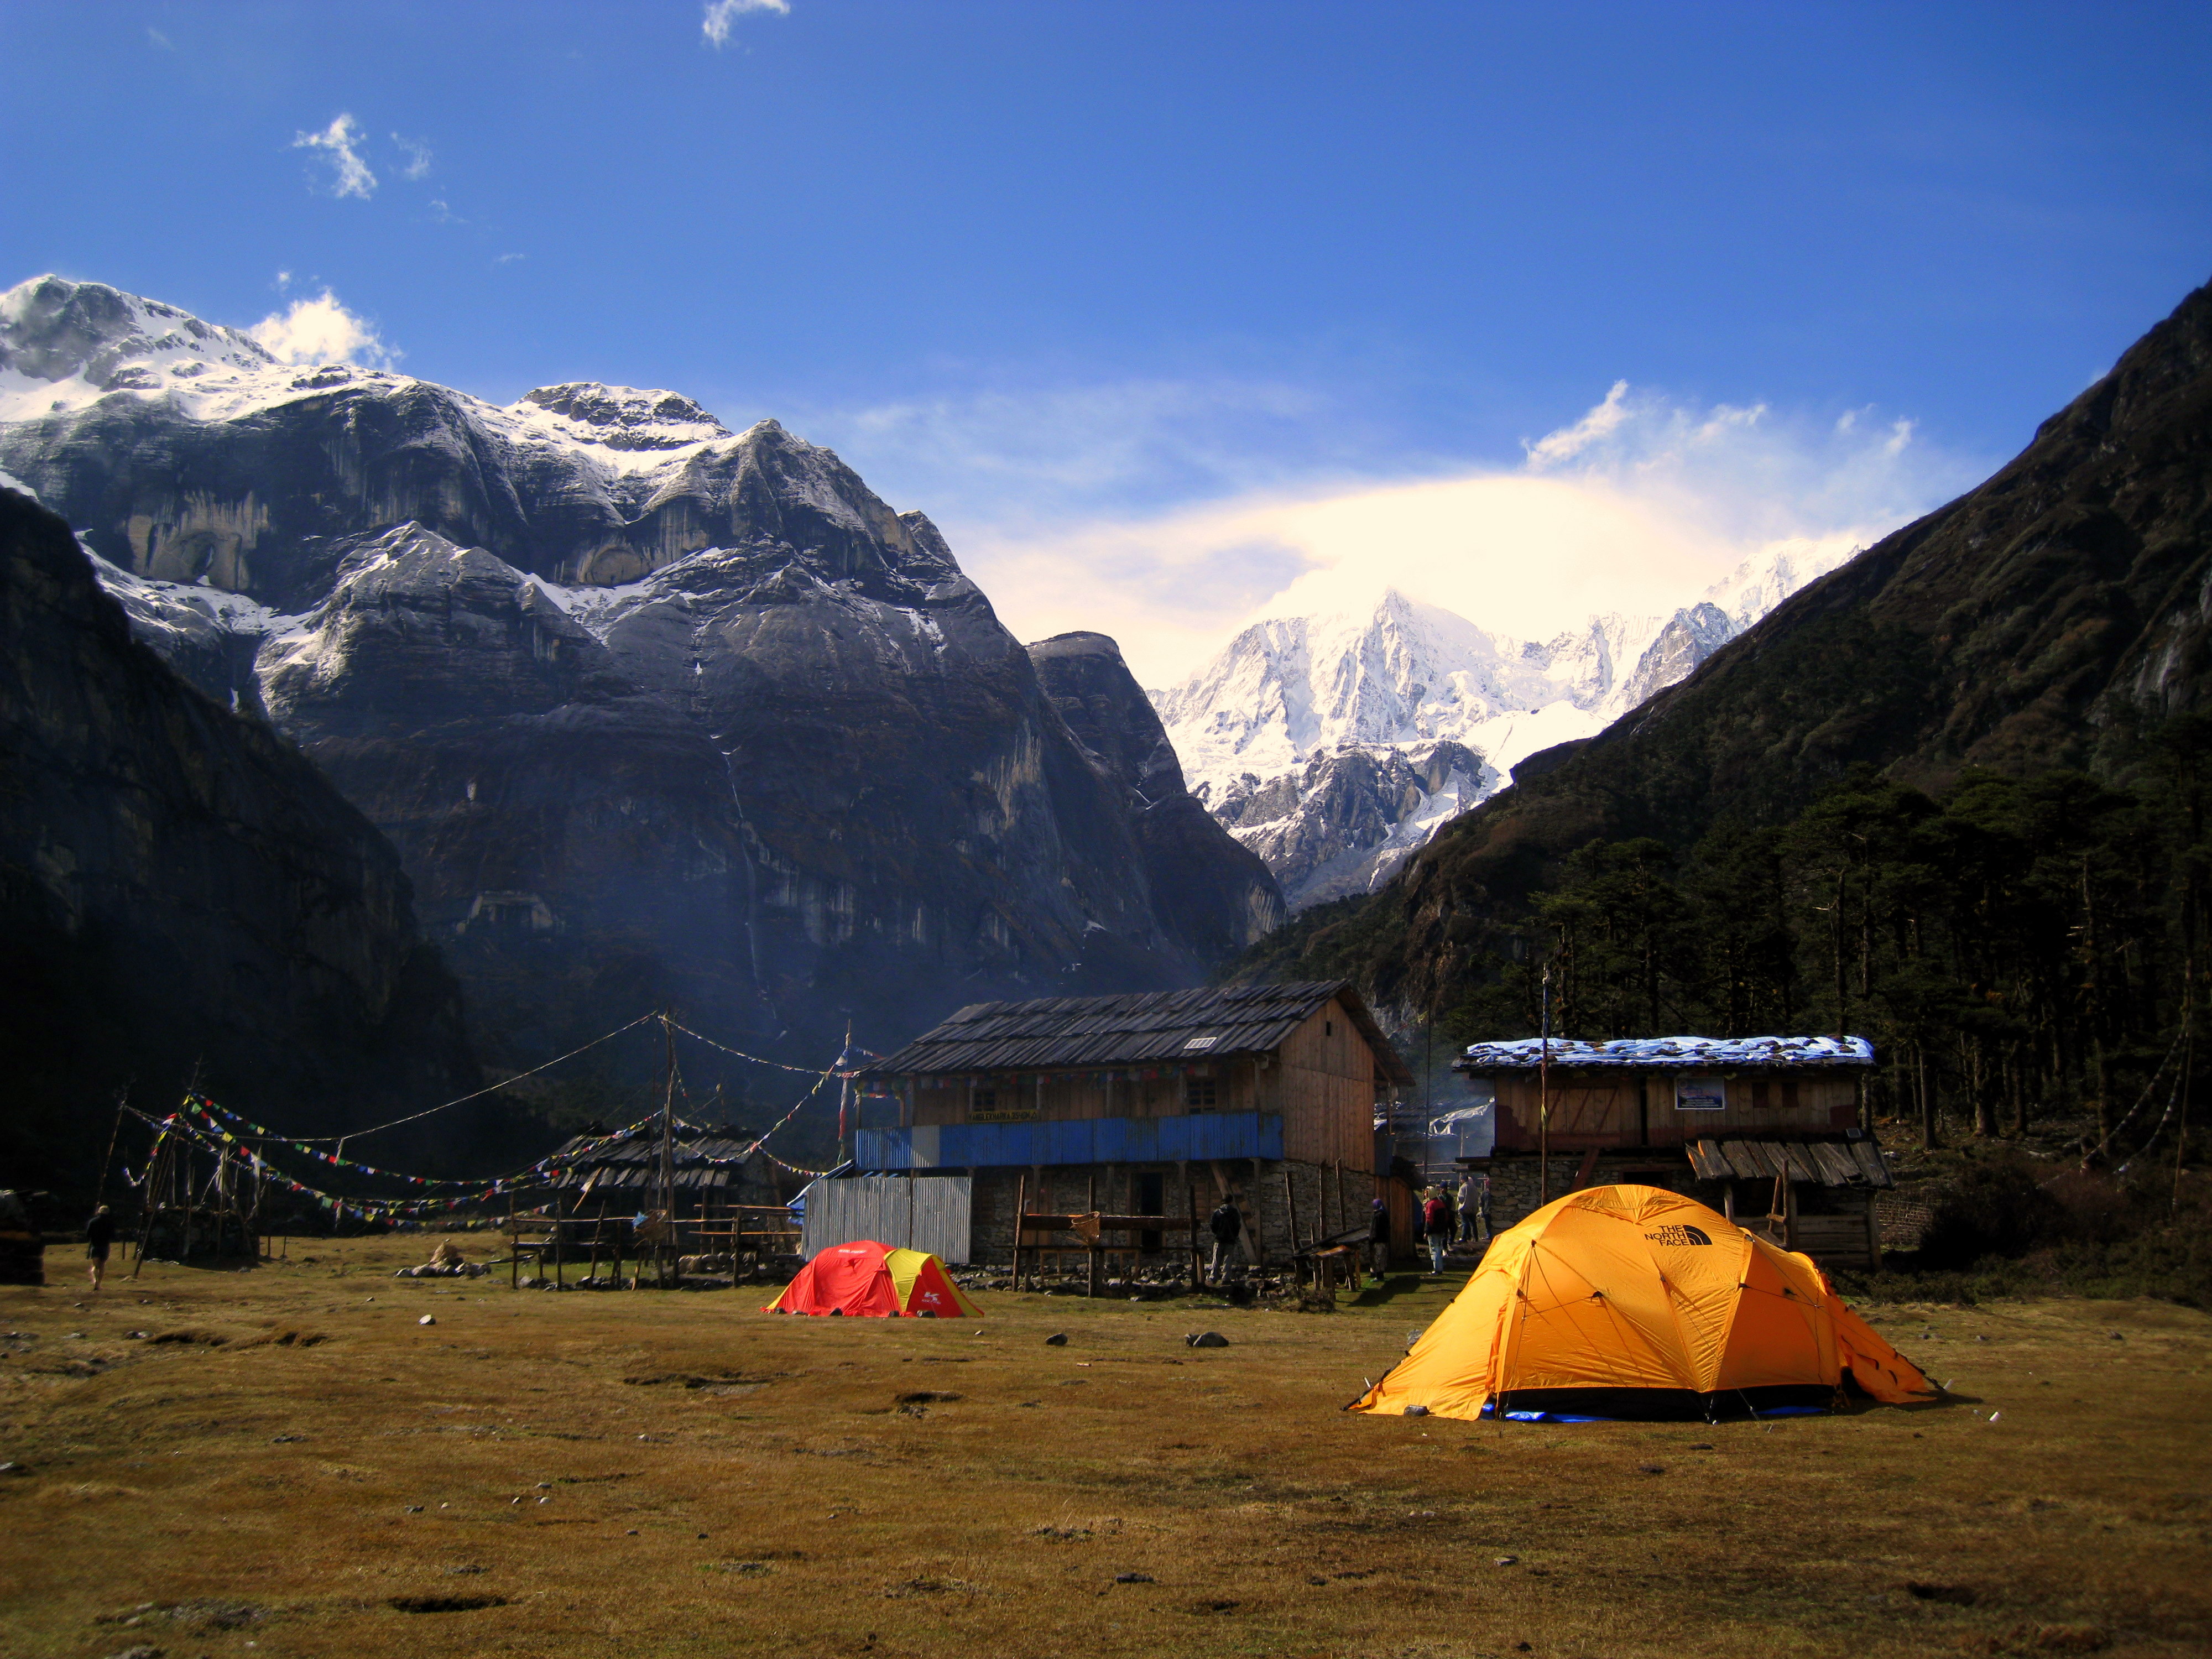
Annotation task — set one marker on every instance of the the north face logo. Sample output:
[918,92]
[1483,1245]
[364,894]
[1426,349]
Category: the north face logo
[1680,1235]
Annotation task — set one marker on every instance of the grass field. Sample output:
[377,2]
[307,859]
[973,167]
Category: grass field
[651,1473]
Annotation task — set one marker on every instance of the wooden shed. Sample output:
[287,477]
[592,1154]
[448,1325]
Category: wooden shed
[1142,1105]
[1767,1129]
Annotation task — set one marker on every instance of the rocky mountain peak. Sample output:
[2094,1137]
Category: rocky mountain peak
[52,329]
[624,418]
[1313,738]
[742,736]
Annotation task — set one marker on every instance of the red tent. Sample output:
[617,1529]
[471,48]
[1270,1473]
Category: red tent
[867,1280]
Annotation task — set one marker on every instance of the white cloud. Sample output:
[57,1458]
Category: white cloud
[155,38]
[349,174]
[721,15]
[1635,507]
[321,331]
[1594,427]
[418,157]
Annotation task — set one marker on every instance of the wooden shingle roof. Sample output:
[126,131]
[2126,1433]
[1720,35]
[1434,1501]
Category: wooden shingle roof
[1163,1027]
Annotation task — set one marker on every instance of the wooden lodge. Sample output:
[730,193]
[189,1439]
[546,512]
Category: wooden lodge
[1767,1130]
[1125,1107]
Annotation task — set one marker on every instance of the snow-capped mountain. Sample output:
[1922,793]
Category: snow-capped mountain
[652,710]
[1335,745]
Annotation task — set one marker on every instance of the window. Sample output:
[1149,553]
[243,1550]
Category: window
[1329,1028]
[1200,1094]
[984,1100]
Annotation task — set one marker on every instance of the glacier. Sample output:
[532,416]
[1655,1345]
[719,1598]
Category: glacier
[1335,745]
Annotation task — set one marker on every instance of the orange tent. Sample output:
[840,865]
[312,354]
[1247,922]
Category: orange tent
[867,1280]
[1633,1302]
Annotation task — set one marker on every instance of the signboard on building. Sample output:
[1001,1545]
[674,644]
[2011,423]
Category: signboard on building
[1700,1094]
[1002,1106]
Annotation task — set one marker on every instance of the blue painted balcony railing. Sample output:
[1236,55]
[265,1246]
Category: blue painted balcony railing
[1072,1140]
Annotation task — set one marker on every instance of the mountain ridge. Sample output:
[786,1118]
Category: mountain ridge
[1335,744]
[653,711]
[2042,620]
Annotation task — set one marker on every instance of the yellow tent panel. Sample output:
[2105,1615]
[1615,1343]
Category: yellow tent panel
[1635,1302]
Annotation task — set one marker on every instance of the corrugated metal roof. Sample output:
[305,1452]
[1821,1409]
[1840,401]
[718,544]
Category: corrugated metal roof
[1072,1033]
[1670,1053]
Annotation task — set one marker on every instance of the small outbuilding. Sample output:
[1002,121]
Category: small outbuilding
[1136,1106]
[1768,1130]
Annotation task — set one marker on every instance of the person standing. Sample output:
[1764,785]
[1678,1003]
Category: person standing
[1226,1223]
[1437,1226]
[1482,1203]
[99,1234]
[1469,1199]
[1378,1238]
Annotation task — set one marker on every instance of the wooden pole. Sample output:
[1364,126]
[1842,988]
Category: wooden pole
[122,1102]
[156,1170]
[1197,1251]
[1021,1214]
[1290,1213]
[1091,1207]
[2181,1129]
[1544,1101]
[667,1159]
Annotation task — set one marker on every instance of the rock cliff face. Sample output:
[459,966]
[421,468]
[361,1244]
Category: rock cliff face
[2048,617]
[179,888]
[1220,892]
[653,710]
[1333,746]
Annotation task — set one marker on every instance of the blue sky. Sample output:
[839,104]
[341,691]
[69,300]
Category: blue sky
[1095,284]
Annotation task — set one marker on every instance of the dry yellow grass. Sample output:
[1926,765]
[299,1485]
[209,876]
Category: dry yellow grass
[649,1474]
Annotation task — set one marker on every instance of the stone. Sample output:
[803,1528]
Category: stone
[1206,1339]
[428,1319]
[1416,1411]
[1057,1340]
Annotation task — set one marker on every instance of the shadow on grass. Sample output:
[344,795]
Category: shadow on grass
[1398,1285]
